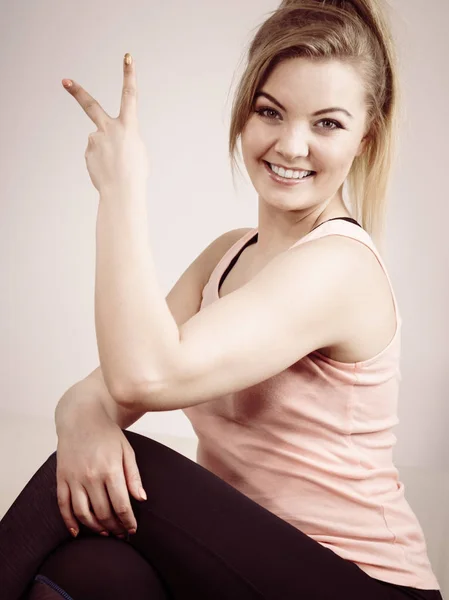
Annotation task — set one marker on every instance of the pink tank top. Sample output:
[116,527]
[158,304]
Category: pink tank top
[314,444]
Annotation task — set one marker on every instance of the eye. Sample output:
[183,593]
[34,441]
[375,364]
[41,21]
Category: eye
[264,112]
[336,124]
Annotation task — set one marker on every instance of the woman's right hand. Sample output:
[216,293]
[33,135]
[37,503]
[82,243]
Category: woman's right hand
[96,467]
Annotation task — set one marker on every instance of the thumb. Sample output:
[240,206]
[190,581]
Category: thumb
[132,474]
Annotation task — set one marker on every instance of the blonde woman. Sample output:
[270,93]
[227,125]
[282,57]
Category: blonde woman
[281,343]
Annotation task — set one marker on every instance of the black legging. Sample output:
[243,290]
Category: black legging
[197,538]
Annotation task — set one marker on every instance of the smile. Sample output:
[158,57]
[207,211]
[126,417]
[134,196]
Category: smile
[289,177]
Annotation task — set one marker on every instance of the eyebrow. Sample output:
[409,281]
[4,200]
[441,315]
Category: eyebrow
[315,114]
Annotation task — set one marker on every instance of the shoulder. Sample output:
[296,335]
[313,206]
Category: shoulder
[351,274]
[184,298]
[226,240]
[339,268]
[331,253]
[210,256]
[341,254]
[218,248]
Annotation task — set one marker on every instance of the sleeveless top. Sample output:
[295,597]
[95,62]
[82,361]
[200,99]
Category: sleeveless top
[314,443]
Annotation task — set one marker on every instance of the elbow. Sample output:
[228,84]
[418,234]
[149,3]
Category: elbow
[137,396]
[156,393]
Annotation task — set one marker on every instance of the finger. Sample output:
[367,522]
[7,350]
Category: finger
[81,508]
[65,507]
[102,509]
[119,496]
[90,106]
[128,107]
[132,475]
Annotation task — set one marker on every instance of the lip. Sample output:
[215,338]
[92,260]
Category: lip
[283,181]
[287,168]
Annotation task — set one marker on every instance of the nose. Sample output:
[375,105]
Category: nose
[292,143]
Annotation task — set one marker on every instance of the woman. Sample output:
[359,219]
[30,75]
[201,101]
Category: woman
[286,361]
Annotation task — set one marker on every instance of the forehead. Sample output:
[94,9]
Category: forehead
[310,85]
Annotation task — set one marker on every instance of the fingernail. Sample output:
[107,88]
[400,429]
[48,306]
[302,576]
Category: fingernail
[73,532]
[143,494]
[128,58]
[131,531]
[104,533]
[67,83]
[121,536]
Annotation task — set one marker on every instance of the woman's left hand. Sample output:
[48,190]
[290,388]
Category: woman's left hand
[116,156]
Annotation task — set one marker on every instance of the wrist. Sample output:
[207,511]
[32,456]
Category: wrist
[131,192]
[77,407]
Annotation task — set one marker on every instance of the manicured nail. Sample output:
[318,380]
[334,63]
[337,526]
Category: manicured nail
[74,532]
[128,58]
[67,83]
[143,494]
[104,533]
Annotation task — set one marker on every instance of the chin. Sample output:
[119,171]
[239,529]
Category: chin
[286,202]
[289,198]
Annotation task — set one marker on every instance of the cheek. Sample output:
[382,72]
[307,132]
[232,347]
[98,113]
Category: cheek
[254,140]
[336,157]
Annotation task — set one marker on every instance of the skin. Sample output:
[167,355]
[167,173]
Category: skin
[116,159]
[294,138]
[273,305]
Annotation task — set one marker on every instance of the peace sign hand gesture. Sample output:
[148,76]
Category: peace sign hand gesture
[116,156]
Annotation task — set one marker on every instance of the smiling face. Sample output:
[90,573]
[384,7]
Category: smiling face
[292,127]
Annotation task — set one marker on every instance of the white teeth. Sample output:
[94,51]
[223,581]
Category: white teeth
[289,174]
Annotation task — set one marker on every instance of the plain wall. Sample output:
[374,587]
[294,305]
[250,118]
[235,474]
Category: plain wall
[187,54]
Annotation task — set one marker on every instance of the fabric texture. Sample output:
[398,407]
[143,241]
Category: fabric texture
[294,494]
[92,568]
[314,444]
[200,537]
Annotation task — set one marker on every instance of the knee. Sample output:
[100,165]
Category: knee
[97,567]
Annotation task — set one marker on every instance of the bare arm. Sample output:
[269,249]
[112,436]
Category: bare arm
[88,418]
[90,396]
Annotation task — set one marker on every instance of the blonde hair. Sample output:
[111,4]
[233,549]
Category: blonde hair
[354,31]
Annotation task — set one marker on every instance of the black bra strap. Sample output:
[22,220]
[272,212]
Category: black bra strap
[254,239]
[349,219]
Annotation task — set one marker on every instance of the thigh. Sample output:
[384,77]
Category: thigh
[91,568]
[208,540]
